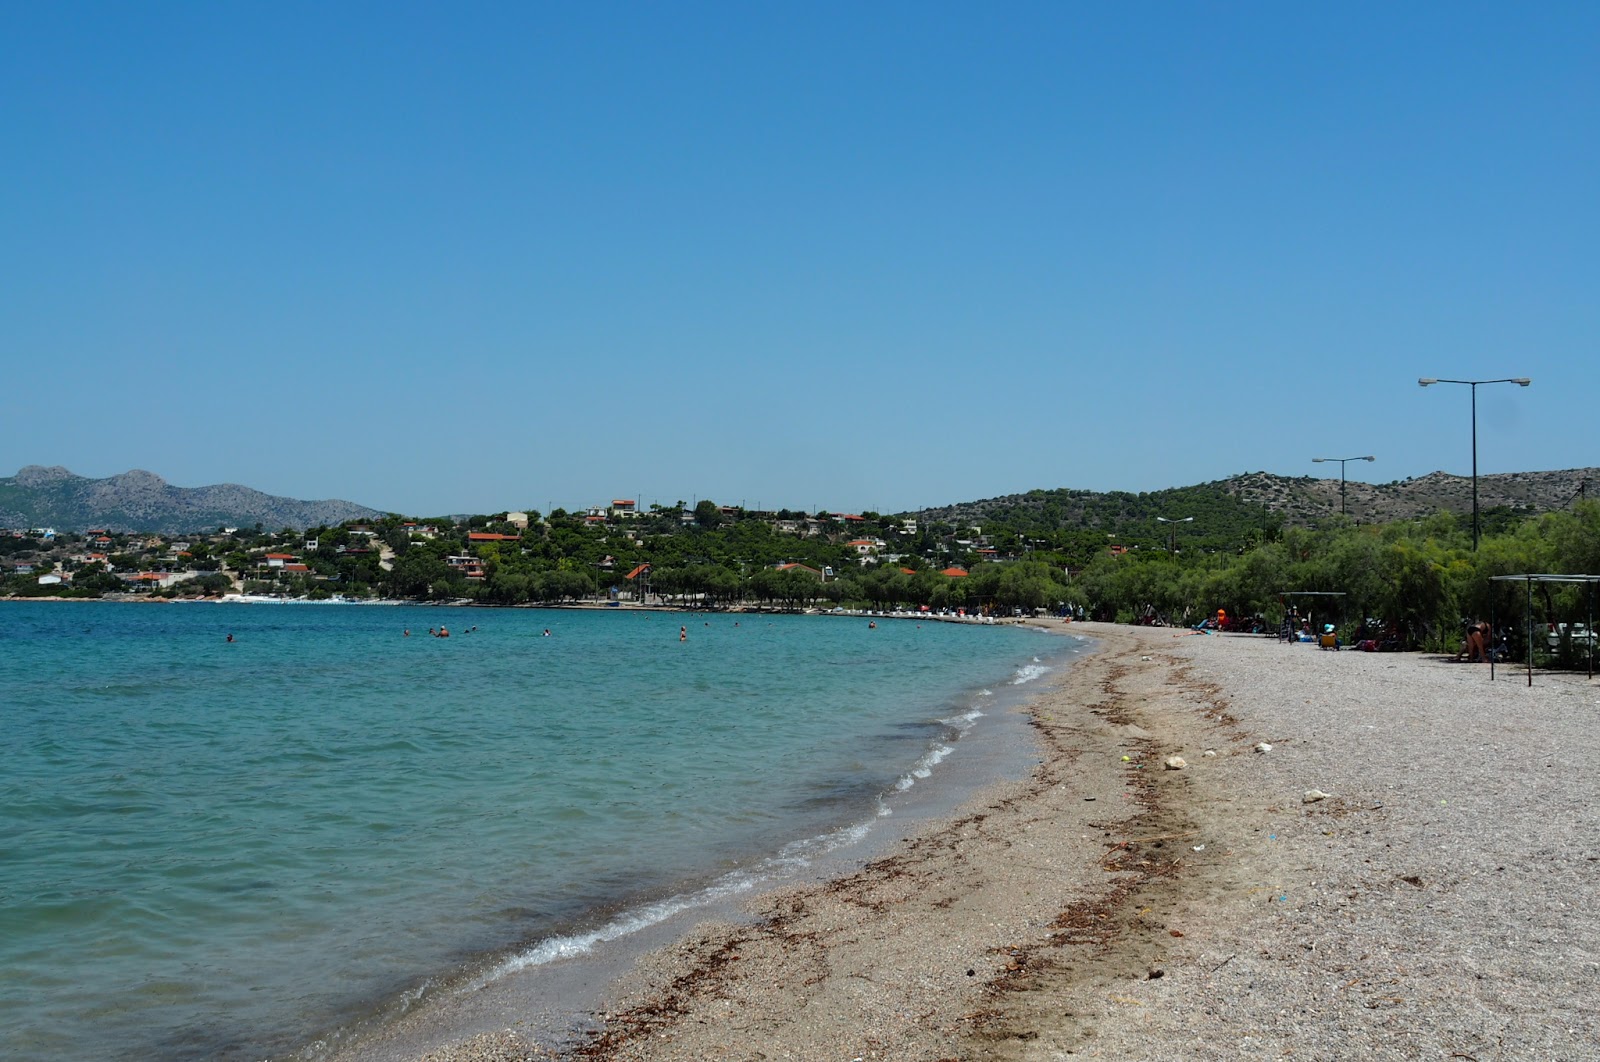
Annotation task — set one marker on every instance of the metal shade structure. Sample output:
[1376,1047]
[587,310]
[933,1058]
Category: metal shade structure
[1313,593]
[1530,579]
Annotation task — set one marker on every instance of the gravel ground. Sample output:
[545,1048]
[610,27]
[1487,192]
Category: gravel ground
[1440,901]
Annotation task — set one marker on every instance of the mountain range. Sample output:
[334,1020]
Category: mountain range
[142,501]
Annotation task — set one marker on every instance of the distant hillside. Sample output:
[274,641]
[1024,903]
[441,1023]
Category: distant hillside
[1306,500]
[142,501]
[1228,509]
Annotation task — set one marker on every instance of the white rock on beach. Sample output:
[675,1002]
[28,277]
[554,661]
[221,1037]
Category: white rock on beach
[1314,795]
[1263,747]
[1175,763]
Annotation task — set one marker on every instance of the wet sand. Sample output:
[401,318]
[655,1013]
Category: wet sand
[1437,901]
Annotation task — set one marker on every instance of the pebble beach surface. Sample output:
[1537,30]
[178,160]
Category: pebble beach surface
[1411,870]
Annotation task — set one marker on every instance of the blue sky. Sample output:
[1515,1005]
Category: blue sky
[462,258]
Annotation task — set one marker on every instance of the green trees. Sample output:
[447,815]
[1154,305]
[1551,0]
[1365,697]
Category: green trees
[706,514]
[792,588]
[1420,577]
[417,572]
[1028,585]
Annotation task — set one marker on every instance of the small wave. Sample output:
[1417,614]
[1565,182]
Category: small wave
[547,951]
[964,721]
[924,767]
[797,855]
[986,693]
[1029,672]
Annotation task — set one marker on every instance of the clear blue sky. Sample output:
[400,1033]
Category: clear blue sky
[459,258]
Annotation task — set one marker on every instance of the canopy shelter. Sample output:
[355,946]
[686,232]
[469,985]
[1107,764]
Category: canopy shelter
[1529,580]
[1283,594]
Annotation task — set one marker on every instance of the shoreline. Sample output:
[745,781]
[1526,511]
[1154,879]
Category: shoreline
[1436,902]
[596,1037]
[555,985]
[579,606]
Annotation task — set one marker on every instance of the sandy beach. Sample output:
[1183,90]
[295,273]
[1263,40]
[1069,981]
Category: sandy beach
[1410,871]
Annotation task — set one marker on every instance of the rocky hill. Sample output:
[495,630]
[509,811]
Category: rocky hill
[1238,501]
[1305,500]
[142,501]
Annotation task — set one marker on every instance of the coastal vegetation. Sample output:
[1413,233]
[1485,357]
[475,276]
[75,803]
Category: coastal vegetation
[1411,582]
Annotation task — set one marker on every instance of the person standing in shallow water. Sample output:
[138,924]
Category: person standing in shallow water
[683,634]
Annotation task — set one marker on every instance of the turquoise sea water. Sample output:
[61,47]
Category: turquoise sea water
[215,850]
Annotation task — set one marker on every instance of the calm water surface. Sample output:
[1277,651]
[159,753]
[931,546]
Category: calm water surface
[215,850]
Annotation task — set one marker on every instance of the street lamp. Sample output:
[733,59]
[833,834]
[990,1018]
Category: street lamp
[1341,460]
[1172,532]
[1520,381]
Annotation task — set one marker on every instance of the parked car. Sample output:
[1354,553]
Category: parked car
[1580,634]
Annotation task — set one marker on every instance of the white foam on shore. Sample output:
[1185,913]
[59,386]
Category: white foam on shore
[795,856]
[1029,672]
[964,721]
[924,767]
[567,947]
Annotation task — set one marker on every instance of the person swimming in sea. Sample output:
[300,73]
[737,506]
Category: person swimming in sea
[683,634]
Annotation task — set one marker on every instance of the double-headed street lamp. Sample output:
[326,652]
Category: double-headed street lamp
[1172,532]
[1341,460]
[1520,381]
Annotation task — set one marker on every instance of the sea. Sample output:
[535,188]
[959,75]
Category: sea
[266,847]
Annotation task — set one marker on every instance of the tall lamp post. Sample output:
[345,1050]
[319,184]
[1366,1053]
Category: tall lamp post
[1341,460]
[1172,532]
[1520,381]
